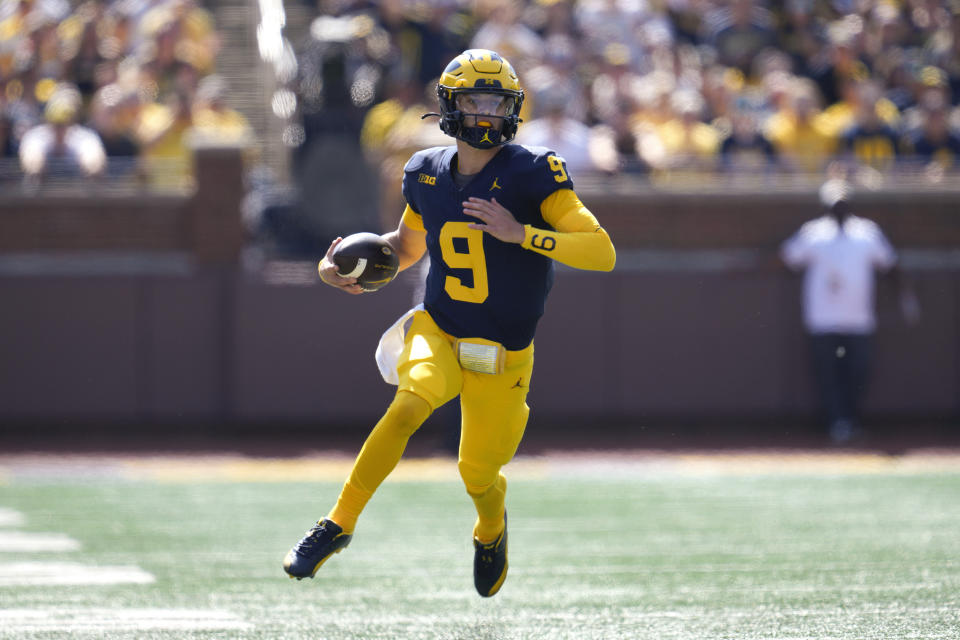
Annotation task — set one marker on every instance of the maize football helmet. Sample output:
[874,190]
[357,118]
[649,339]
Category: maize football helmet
[469,87]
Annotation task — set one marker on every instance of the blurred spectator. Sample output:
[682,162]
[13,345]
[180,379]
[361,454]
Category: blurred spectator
[928,82]
[213,120]
[416,36]
[933,144]
[943,47]
[504,32]
[177,31]
[7,146]
[41,48]
[557,73]
[721,87]
[80,52]
[343,64]
[162,130]
[739,31]
[61,147]
[392,131]
[870,140]
[684,142]
[686,18]
[23,111]
[613,25]
[745,149]
[615,88]
[114,113]
[799,31]
[839,253]
[839,63]
[446,31]
[620,128]
[555,19]
[585,149]
[884,30]
[799,132]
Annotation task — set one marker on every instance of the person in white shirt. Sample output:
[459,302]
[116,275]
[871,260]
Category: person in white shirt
[586,150]
[60,147]
[839,254]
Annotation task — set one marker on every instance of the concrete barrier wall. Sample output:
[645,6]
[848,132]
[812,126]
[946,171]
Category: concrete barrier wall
[664,337]
[219,346]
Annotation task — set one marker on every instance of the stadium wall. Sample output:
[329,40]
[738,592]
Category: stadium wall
[138,311]
[218,346]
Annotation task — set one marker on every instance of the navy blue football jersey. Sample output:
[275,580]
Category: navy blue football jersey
[477,285]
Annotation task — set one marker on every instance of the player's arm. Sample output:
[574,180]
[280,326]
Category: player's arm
[409,239]
[579,241]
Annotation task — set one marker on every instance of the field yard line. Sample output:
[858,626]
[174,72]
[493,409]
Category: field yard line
[105,620]
[28,542]
[11,518]
[23,574]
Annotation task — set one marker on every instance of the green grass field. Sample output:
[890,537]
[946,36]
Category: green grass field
[632,549]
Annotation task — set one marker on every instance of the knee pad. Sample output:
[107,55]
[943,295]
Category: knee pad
[478,480]
[407,412]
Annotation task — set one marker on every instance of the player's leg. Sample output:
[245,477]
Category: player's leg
[494,418]
[379,456]
[429,377]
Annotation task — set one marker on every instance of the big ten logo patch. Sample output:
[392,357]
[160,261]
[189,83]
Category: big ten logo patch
[428,179]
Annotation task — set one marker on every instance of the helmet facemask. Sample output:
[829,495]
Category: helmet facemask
[483,118]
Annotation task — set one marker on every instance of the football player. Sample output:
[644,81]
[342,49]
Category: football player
[493,217]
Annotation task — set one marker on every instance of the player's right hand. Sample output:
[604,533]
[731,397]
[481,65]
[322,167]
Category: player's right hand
[329,275]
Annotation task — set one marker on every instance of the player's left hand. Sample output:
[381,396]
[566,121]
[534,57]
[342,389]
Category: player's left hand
[495,219]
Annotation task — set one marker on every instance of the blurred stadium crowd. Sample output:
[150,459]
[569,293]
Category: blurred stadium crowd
[651,88]
[109,88]
[650,85]
[665,91]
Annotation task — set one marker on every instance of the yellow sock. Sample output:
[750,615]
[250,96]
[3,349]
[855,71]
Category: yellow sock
[380,454]
[490,509]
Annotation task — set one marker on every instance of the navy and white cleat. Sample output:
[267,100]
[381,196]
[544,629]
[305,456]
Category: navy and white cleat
[490,563]
[320,542]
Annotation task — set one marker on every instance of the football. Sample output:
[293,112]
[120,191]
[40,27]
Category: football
[366,257]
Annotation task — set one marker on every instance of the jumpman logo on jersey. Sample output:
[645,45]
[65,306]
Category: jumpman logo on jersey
[495,185]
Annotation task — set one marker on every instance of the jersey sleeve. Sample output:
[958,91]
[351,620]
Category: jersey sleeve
[548,173]
[577,239]
[409,185]
[412,219]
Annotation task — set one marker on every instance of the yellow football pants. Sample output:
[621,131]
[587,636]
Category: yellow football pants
[494,414]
